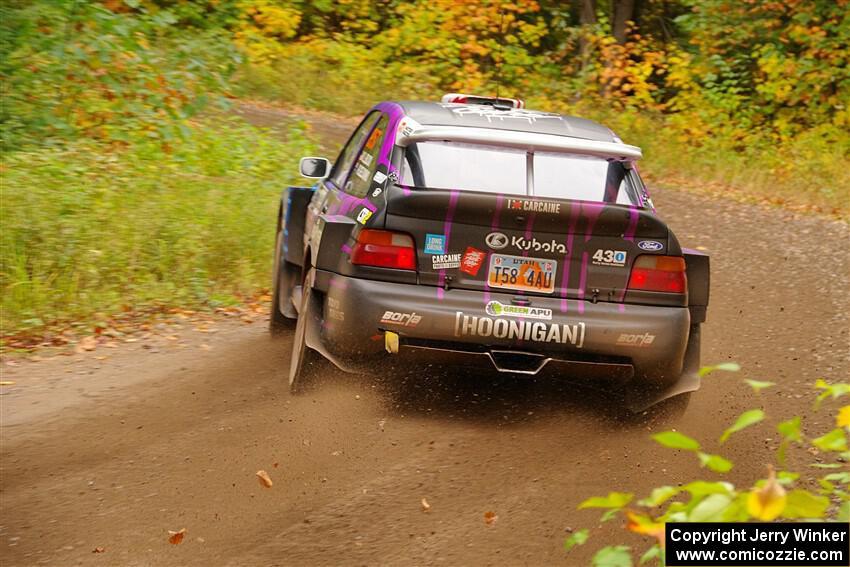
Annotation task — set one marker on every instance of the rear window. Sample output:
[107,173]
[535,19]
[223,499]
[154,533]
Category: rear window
[494,169]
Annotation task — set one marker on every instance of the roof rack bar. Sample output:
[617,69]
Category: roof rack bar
[461,98]
[518,139]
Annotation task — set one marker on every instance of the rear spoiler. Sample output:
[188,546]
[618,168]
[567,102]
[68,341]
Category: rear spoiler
[511,138]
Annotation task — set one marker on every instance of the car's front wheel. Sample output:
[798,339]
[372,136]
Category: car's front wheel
[304,360]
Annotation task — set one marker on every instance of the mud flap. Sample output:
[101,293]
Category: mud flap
[294,201]
[698,271]
[336,231]
[689,381]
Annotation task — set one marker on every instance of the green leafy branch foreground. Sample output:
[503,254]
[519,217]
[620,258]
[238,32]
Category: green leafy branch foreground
[773,497]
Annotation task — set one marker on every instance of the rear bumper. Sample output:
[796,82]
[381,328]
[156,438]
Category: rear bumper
[562,337]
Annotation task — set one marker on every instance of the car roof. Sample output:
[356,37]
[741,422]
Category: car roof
[522,120]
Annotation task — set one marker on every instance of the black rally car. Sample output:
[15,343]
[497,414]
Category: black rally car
[476,232]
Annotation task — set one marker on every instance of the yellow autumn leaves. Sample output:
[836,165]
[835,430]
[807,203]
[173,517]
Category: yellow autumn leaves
[768,502]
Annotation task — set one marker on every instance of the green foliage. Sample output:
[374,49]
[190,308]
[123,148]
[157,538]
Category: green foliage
[779,495]
[746,419]
[86,230]
[75,69]
[676,440]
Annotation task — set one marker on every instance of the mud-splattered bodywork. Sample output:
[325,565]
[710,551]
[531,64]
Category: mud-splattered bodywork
[458,306]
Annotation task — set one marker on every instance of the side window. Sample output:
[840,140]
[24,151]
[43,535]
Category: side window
[367,161]
[349,152]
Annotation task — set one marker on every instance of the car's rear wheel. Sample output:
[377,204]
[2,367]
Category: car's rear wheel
[284,281]
[304,360]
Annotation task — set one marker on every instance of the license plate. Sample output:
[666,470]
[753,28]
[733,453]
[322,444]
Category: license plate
[521,273]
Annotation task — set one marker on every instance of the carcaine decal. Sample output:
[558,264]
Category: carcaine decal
[475,326]
[534,206]
[497,309]
[379,177]
[364,215]
[445,261]
[472,260]
[435,243]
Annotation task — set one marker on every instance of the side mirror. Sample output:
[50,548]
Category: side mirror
[314,167]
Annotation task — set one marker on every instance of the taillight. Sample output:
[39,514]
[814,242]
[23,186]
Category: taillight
[384,249]
[659,273]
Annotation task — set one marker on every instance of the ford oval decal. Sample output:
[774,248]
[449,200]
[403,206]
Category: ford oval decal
[650,245]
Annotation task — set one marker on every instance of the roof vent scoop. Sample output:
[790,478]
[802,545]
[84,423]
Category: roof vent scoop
[496,102]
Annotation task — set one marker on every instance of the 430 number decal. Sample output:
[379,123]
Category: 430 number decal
[609,257]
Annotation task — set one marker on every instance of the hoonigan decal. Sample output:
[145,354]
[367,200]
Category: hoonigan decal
[476,326]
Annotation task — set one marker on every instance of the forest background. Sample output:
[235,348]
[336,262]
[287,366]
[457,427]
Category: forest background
[129,184]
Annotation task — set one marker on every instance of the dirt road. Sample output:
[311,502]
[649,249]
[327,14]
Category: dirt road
[115,452]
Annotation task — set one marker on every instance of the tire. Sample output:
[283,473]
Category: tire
[304,361]
[278,322]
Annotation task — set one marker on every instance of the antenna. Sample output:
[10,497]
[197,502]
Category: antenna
[501,43]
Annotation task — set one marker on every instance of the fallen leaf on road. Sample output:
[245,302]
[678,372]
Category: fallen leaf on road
[276,465]
[174,538]
[490,518]
[425,505]
[86,343]
[265,479]
[98,550]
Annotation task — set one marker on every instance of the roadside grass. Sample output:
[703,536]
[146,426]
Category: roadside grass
[90,230]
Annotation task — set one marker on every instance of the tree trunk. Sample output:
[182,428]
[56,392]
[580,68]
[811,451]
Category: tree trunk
[624,11]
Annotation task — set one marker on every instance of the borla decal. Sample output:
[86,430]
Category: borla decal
[533,206]
[497,309]
[474,326]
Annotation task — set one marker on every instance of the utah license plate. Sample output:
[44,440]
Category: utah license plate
[524,274]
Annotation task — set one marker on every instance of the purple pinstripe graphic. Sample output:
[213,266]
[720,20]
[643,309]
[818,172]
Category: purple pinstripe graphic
[582,283]
[346,249]
[633,220]
[565,277]
[630,236]
[494,226]
[447,230]
[591,211]
[527,234]
[395,114]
